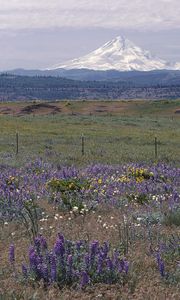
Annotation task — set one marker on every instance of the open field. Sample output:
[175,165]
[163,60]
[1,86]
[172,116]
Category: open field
[115,132]
[103,225]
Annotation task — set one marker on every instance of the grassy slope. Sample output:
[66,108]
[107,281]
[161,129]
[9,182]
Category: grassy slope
[114,132]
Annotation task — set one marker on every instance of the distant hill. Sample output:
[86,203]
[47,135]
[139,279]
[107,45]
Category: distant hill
[129,85]
[163,77]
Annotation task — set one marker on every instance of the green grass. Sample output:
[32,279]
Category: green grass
[112,139]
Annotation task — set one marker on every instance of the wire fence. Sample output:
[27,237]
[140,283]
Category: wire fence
[87,148]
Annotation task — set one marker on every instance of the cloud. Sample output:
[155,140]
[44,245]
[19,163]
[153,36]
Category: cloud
[136,14]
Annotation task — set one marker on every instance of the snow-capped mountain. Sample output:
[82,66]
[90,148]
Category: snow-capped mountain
[119,54]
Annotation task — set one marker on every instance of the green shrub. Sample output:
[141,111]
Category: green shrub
[140,198]
[172,218]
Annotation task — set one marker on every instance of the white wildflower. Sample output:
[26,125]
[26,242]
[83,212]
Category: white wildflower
[75,209]
[125,219]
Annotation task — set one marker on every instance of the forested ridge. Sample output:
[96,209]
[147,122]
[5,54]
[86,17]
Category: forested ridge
[13,87]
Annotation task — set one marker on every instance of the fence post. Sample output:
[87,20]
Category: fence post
[17,143]
[82,144]
[155,147]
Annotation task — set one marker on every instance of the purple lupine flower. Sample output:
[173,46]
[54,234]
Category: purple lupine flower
[69,245]
[126,266]
[39,259]
[37,243]
[24,271]
[31,250]
[87,261]
[44,271]
[43,242]
[109,264]
[116,257]
[39,271]
[160,264]
[12,254]
[93,247]
[61,237]
[69,265]
[59,248]
[123,266]
[93,251]
[162,268]
[103,254]
[53,268]
[100,264]
[78,245]
[120,269]
[84,278]
[105,248]
[70,260]
[32,257]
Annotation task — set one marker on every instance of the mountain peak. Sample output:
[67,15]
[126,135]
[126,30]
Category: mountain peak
[120,39]
[118,54]
[120,42]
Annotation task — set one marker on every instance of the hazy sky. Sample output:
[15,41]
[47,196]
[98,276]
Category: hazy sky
[37,34]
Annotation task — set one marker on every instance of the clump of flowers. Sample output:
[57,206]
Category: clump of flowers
[140,174]
[12,182]
[66,185]
[124,178]
[76,263]
[70,191]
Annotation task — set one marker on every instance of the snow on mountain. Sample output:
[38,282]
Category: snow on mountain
[119,54]
[177,66]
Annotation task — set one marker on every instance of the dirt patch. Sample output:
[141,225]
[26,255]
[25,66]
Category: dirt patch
[177,111]
[40,108]
[5,111]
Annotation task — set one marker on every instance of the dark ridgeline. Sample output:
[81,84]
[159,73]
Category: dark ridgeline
[126,85]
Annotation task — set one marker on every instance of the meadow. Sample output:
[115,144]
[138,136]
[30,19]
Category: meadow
[93,221]
[115,132]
